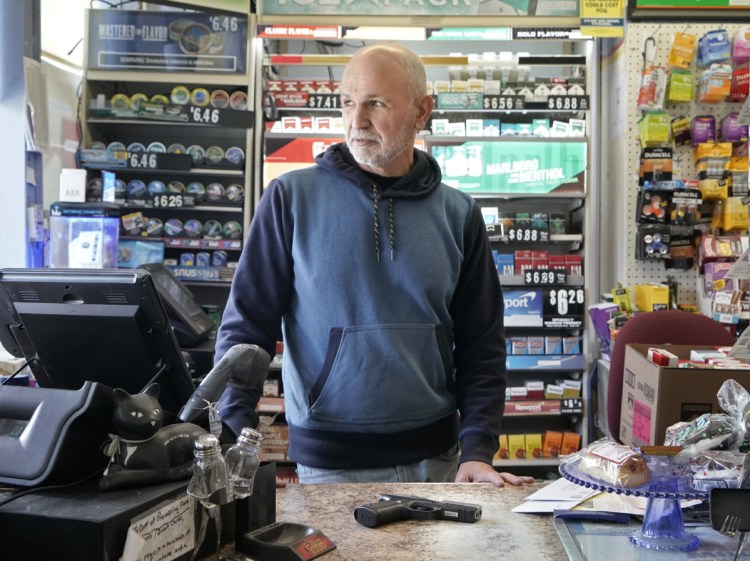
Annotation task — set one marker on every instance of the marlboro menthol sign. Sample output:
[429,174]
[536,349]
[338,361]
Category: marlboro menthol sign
[514,167]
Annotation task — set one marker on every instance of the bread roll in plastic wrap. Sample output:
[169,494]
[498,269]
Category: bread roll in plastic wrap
[614,464]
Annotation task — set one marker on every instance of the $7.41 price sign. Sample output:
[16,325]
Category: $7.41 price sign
[564,302]
[324,101]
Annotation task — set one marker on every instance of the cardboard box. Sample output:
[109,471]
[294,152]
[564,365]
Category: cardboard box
[656,397]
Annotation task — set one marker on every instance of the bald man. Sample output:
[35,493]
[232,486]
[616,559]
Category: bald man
[381,282]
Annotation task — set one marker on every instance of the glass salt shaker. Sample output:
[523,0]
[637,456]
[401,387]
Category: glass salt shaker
[210,481]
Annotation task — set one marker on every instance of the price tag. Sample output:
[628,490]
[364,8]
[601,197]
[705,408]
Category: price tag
[219,117]
[224,23]
[568,103]
[527,234]
[204,115]
[171,200]
[544,277]
[149,161]
[571,405]
[564,302]
[143,160]
[503,102]
[324,101]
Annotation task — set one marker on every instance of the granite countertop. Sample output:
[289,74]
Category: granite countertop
[499,534]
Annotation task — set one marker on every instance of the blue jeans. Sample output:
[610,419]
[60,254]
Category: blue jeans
[438,469]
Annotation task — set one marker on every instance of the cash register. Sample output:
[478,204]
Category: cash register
[83,332]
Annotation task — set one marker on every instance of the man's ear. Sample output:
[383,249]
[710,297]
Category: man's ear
[424,109]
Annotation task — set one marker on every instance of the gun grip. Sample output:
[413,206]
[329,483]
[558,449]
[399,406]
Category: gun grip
[376,514]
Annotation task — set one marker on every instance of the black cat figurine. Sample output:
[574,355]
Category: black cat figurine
[144,452]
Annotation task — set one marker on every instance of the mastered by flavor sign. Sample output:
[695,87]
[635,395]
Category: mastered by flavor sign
[176,41]
[514,167]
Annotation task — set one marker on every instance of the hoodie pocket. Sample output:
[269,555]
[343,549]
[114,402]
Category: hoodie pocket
[389,375]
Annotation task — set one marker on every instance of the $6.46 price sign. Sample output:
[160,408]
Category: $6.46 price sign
[566,300]
[204,115]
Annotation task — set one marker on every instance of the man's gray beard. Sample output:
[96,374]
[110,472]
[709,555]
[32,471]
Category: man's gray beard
[386,155]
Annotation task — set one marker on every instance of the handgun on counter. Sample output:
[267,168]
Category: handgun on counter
[392,508]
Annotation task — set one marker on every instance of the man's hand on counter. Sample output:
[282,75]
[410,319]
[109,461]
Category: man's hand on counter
[479,472]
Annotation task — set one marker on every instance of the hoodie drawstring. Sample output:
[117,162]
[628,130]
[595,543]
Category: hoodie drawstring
[376,223]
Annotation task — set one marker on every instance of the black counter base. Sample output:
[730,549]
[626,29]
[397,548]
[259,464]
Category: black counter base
[86,524]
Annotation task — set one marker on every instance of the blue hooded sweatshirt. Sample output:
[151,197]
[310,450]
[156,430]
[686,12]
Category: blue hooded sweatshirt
[390,308]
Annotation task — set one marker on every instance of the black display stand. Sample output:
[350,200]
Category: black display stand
[86,524]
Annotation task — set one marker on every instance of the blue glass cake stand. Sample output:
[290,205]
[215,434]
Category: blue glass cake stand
[663,526]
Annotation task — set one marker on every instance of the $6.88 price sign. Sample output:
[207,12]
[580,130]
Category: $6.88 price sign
[566,301]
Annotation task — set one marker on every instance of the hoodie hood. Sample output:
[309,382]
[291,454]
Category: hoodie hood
[423,178]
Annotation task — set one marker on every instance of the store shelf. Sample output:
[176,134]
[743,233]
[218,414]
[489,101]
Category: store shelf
[553,238]
[197,208]
[539,462]
[425,21]
[572,194]
[171,78]
[545,407]
[547,363]
[518,280]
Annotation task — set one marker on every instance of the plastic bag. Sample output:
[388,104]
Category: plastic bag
[735,400]
[709,431]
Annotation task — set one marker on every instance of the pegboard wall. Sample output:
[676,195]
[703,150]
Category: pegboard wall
[638,271]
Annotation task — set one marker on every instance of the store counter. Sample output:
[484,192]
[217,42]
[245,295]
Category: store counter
[499,534]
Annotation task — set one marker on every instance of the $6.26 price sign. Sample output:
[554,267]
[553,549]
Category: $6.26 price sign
[566,301]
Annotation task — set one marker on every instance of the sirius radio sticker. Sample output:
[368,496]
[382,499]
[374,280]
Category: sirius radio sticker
[524,308]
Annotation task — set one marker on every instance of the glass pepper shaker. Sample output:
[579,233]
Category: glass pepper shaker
[242,460]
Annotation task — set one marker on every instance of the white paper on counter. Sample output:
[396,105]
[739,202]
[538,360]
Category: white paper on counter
[558,495]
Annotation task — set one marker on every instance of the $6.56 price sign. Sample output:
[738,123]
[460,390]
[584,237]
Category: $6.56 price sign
[566,301]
